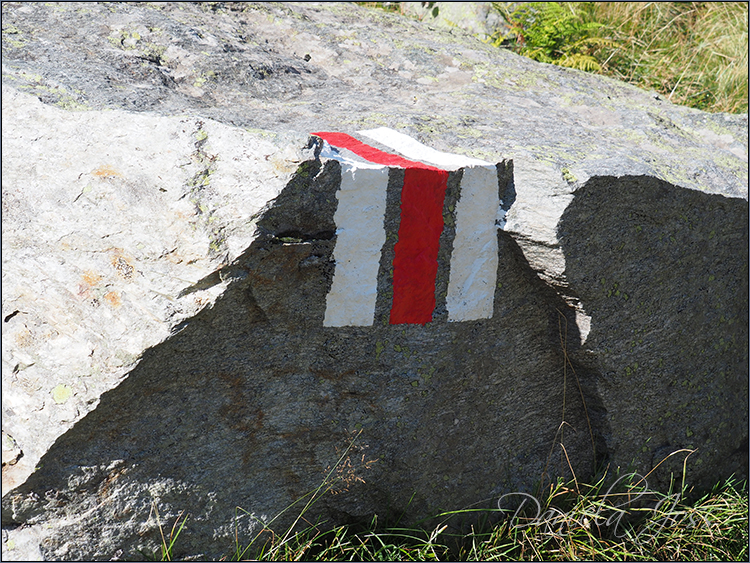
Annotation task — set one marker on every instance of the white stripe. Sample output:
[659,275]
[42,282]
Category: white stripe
[473,273]
[360,235]
[415,150]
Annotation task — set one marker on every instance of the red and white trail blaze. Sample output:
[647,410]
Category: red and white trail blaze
[360,230]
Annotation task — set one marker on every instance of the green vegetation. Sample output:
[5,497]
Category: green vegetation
[553,32]
[693,53]
[617,519]
[583,524]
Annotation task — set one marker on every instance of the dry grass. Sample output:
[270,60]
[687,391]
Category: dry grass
[695,53]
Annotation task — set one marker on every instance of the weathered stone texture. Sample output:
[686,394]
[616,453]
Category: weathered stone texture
[169,242]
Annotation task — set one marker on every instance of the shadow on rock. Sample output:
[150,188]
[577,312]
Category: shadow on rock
[663,273]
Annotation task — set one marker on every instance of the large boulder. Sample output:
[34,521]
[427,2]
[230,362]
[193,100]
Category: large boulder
[184,331]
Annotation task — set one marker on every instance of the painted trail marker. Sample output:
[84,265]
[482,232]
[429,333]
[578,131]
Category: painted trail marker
[406,223]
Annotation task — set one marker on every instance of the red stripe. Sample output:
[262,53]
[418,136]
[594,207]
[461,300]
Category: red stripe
[415,254]
[370,153]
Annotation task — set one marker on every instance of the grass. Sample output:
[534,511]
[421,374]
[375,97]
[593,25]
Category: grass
[618,518]
[626,524]
[629,524]
[693,53]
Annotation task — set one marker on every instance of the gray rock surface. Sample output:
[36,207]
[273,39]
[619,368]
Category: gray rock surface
[166,263]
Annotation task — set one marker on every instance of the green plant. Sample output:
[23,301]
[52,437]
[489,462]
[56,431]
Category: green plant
[694,53]
[606,521]
[623,522]
[560,33]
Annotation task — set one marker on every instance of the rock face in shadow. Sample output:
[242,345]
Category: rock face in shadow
[663,273]
[169,245]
